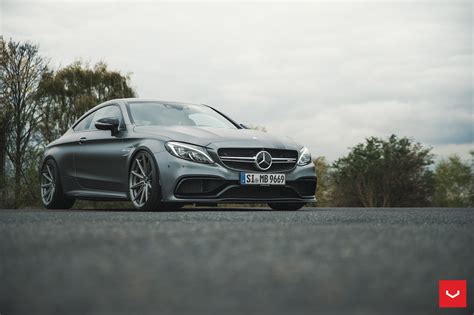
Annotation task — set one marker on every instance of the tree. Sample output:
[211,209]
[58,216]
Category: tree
[384,173]
[67,93]
[324,189]
[453,183]
[21,70]
[471,189]
[3,130]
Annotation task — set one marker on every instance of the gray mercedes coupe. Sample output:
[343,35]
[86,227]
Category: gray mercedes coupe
[163,155]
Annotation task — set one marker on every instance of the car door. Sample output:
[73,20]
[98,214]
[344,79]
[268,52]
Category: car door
[100,163]
[69,146]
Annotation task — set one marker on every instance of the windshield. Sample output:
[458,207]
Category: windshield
[163,114]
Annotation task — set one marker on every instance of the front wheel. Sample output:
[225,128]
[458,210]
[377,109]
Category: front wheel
[52,194]
[144,187]
[286,206]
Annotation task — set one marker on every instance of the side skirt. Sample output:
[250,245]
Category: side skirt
[98,195]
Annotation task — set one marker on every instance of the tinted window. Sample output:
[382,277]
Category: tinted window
[105,112]
[157,114]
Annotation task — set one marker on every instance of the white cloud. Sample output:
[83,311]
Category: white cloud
[334,129]
[326,73]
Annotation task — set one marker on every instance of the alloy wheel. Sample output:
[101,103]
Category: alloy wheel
[140,184]
[48,184]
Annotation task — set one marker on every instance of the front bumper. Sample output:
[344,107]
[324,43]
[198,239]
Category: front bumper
[185,181]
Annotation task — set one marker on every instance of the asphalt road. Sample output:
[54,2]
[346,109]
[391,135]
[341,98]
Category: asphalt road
[233,261]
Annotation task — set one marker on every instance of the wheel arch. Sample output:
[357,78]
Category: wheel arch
[44,160]
[129,165]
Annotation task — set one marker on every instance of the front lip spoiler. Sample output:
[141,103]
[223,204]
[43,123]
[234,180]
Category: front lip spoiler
[243,200]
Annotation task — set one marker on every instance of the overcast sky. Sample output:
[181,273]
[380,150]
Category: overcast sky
[328,74]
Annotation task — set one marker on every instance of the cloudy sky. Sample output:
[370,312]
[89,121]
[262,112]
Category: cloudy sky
[326,73]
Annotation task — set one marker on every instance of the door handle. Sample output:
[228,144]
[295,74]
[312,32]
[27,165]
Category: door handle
[82,140]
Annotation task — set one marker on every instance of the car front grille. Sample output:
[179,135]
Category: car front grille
[244,159]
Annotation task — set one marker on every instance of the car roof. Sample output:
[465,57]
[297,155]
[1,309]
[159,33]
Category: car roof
[145,100]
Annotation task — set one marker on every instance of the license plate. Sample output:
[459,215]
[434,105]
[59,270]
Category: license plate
[262,179]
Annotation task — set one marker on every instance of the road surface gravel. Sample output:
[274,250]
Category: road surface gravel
[233,261]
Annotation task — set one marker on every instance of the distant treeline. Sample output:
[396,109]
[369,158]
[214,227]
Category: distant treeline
[396,172]
[38,104]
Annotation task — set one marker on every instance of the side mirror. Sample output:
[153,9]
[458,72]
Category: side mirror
[108,123]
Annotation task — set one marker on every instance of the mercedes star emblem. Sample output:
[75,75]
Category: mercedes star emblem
[263,160]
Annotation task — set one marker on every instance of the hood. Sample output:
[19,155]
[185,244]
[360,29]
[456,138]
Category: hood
[220,137]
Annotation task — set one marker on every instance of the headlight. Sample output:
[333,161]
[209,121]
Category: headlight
[305,157]
[189,152]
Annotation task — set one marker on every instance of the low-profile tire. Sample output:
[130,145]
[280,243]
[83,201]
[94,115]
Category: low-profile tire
[286,206]
[51,189]
[143,183]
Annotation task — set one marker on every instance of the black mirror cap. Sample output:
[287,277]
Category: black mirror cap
[108,123]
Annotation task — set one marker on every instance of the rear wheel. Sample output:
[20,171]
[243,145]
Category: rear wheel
[286,206]
[52,194]
[144,189]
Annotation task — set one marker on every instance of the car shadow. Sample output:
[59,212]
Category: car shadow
[190,209]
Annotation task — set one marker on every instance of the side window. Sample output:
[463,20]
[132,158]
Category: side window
[105,112]
[84,123]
